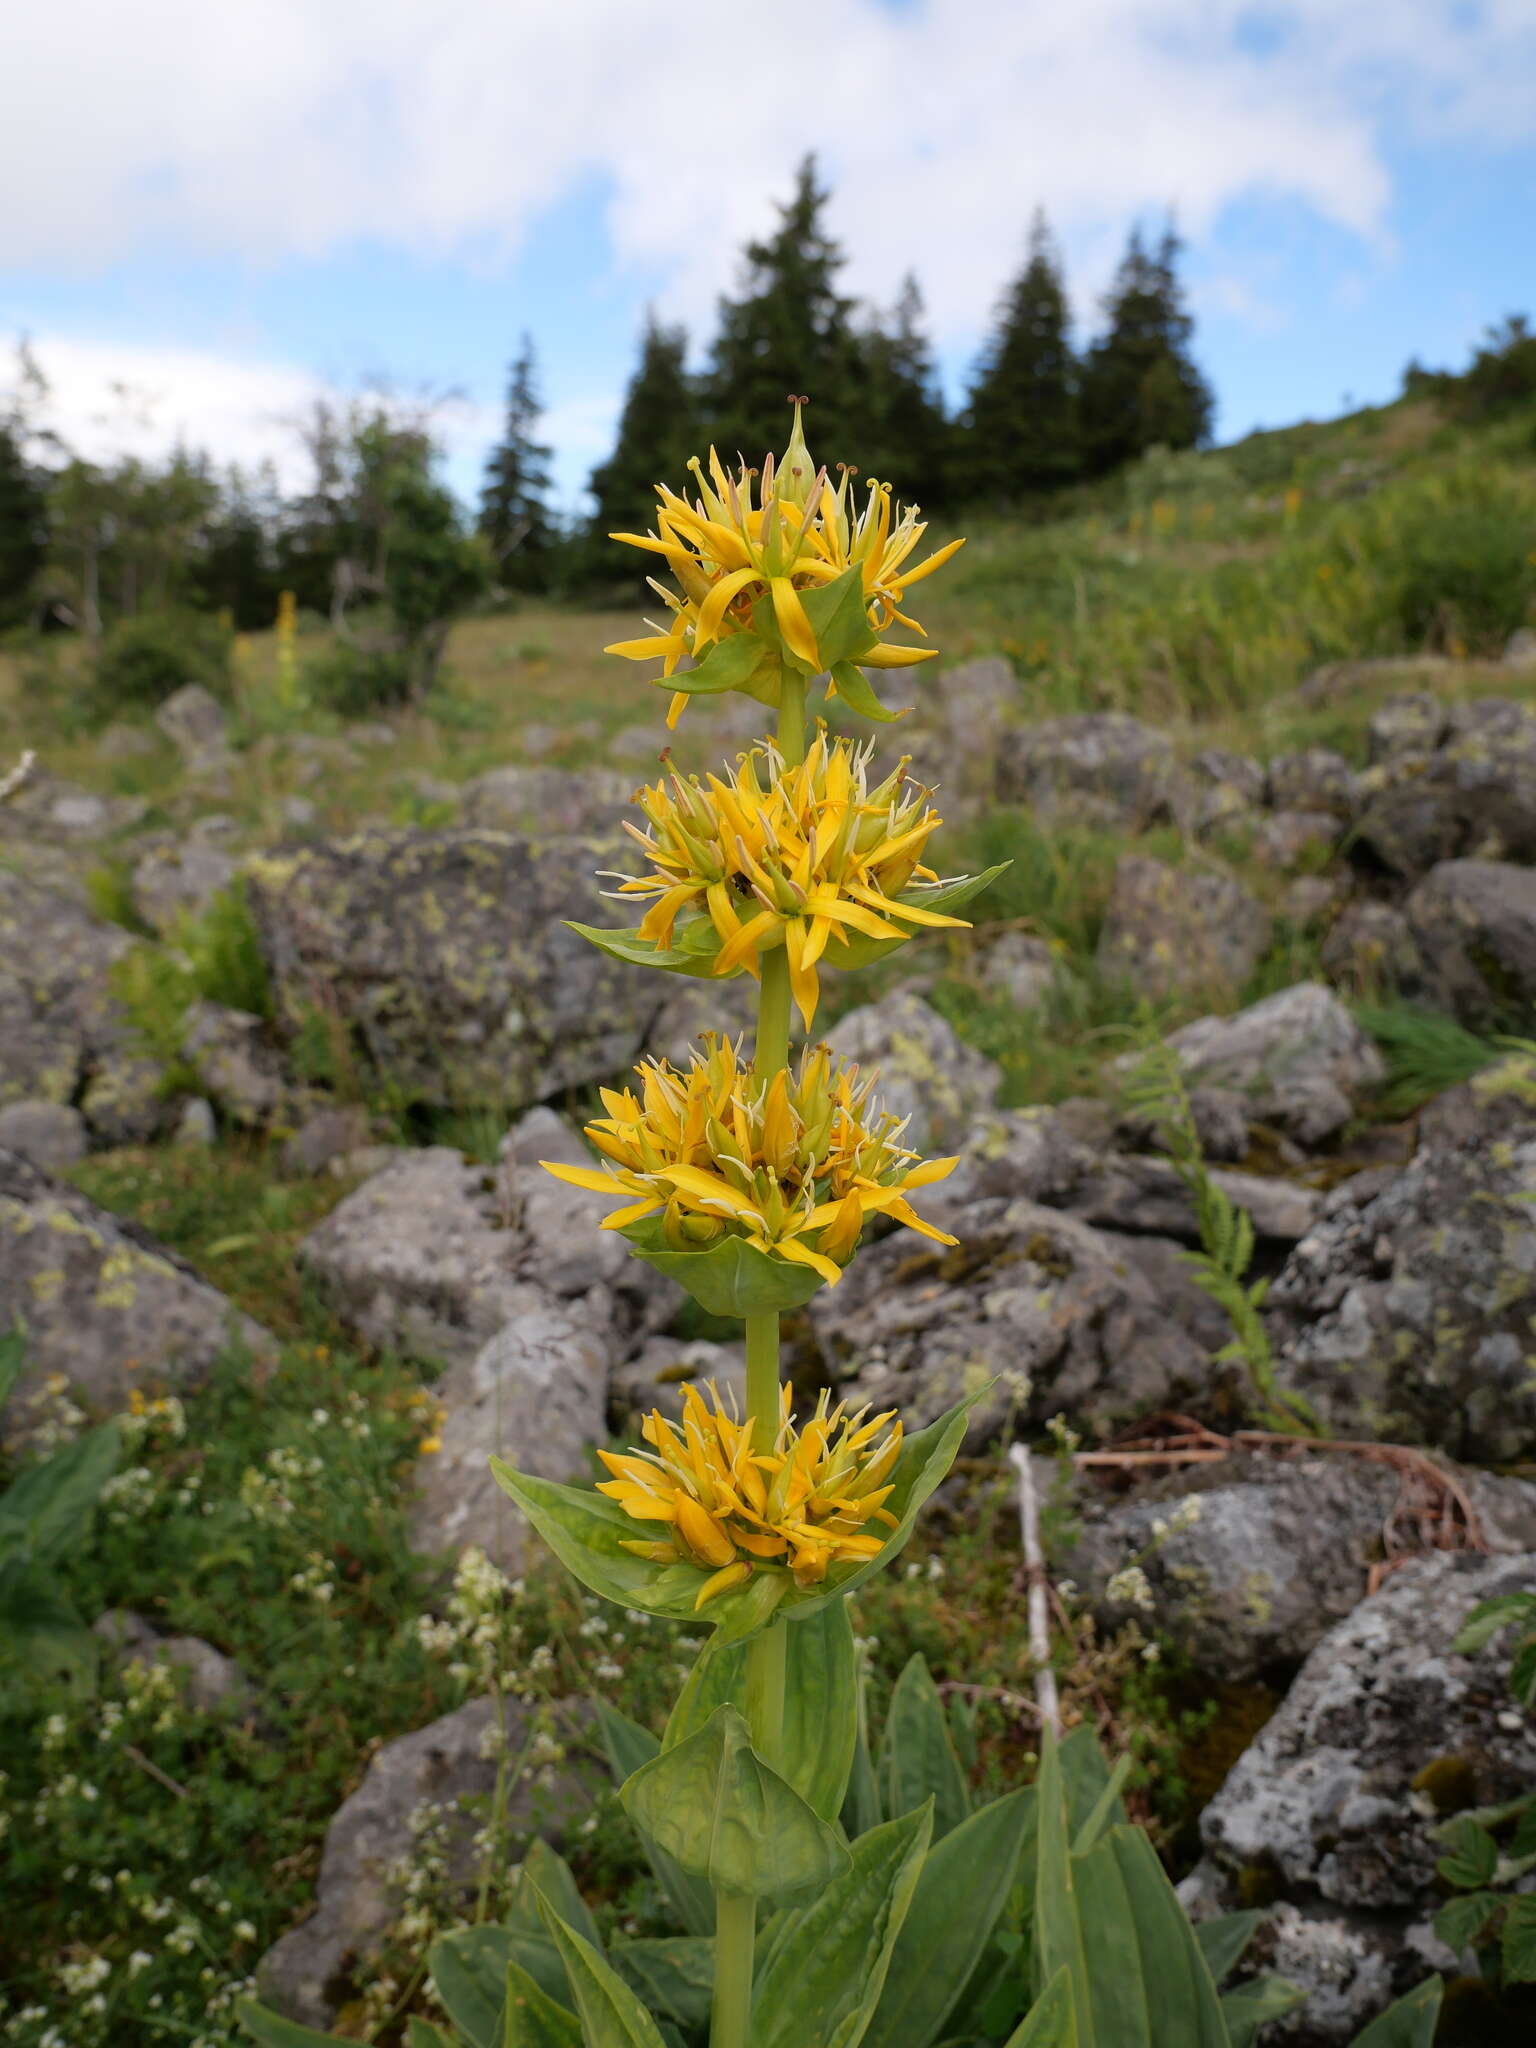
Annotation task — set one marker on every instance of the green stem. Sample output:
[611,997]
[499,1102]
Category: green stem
[765,1692]
[735,1931]
[763,1374]
[792,719]
[772,1051]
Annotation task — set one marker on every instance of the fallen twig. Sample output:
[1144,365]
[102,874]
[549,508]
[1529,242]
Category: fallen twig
[19,775]
[1037,1589]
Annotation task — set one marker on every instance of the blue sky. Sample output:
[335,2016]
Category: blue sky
[229,210]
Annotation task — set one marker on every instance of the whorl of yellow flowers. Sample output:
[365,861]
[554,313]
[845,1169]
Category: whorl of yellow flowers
[748,548]
[732,1505]
[794,1166]
[801,857]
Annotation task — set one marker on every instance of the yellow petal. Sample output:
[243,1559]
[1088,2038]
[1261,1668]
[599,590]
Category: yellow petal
[722,1582]
[582,1176]
[793,623]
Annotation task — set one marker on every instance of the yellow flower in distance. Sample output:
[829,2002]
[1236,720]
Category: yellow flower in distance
[806,858]
[794,1167]
[756,558]
[800,1503]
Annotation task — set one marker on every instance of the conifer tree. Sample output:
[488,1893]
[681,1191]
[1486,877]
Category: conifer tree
[1140,384]
[657,434]
[514,516]
[1022,429]
[23,526]
[788,330]
[904,429]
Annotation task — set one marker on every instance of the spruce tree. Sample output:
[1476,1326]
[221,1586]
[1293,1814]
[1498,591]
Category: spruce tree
[1141,387]
[657,434]
[904,433]
[514,517]
[23,526]
[788,330]
[1022,431]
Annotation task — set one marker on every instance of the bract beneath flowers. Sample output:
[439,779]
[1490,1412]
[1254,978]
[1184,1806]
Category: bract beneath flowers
[733,1505]
[806,858]
[781,571]
[792,1167]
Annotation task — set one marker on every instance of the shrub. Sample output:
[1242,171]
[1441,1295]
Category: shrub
[353,680]
[1450,563]
[143,660]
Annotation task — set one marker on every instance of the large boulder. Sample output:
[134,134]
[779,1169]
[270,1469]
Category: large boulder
[537,1395]
[1332,1809]
[1037,1302]
[1369,950]
[1315,779]
[546,801]
[655,1377]
[1406,1313]
[1171,929]
[179,879]
[104,1304]
[58,1015]
[1473,926]
[1246,1565]
[444,1776]
[50,1135]
[193,720]
[1297,1058]
[448,955]
[1099,768]
[1473,797]
[927,1072]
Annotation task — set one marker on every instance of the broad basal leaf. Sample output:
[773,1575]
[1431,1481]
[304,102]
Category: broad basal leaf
[917,1759]
[1410,2023]
[611,2013]
[722,1814]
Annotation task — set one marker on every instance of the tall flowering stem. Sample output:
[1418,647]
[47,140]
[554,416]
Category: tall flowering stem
[751,1181]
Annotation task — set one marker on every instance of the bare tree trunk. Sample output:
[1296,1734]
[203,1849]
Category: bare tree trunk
[1038,1609]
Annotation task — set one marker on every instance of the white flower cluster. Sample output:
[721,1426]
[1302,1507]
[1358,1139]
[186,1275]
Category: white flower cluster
[129,1495]
[269,1492]
[1184,1516]
[52,1418]
[316,1578]
[1130,1587]
[163,1419]
[478,1633]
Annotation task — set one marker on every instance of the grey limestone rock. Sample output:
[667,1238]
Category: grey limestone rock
[1409,1312]
[104,1304]
[228,1051]
[1369,950]
[546,800]
[654,1377]
[171,882]
[1298,1059]
[1411,723]
[48,1134]
[927,1073]
[1101,768]
[443,1771]
[193,720]
[1326,1807]
[58,1014]
[1473,797]
[1287,838]
[448,955]
[1169,929]
[1249,1563]
[1473,927]
[1315,779]
[1039,1301]
[1020,969]
[537,1395]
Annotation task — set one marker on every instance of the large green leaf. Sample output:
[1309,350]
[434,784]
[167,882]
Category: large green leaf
[52,1499]
[1223,1940]
[1489,1616]
[627,945]
[856,691]
[587,1532]
[824,1970]
[1248,2007]
[1086,1778]
[1408,2024]
[917,1759]
[729,664]
[675,1977]
[858,950]
[611,2014]
[839,616]
[1051,2021]
[722,1814]
[628,1746]
[549,1876]
[532,2019]
[962,1890]
[420,2033]
[273,2031]
[1148,1981]
[1058,1931]
[731,1277]
[469,1968]
[819,1723]
[43,1641]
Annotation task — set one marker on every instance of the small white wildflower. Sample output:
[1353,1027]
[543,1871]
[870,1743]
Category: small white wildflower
[1130,1587]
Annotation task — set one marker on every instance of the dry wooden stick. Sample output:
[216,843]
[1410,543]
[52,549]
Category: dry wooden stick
[1046,1696]
[20,774]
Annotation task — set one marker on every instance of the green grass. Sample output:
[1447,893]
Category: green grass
[1425,1052]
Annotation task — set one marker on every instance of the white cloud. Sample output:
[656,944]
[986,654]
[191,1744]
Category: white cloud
[273,128]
